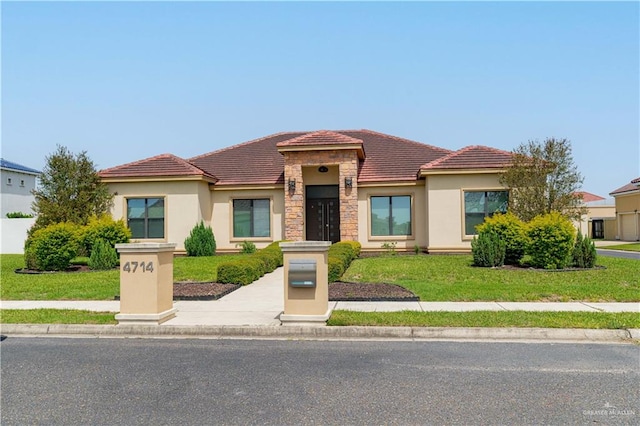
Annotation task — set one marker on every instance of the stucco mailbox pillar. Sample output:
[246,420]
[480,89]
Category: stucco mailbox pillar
[306,283]
[146,283]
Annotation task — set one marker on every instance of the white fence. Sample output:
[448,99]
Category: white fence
[14,233]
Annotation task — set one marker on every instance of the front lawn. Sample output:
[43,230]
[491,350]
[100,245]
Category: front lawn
[603,320]
[55,316]
[93,285]
[452,278]
[624,247]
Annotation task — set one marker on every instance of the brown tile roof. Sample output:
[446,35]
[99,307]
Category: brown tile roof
[388,158]
[634,185]
[161,165]
[321,137]
[471,157]
[255,162]
[588,197]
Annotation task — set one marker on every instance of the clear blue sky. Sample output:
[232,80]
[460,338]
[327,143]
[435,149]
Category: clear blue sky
[129,80]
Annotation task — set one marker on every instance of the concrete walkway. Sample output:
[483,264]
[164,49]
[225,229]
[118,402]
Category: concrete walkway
[260,304]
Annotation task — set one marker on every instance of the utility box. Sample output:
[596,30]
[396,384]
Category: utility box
[306,283]
[302,273]
[146,283]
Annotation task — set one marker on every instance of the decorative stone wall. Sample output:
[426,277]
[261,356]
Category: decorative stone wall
[347,161]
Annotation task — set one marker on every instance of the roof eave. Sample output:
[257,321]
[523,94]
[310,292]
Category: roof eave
[159,178]
[457,171]
[328,147]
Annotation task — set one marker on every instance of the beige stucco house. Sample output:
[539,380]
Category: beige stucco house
[600,220]
[627,202]
[324,185]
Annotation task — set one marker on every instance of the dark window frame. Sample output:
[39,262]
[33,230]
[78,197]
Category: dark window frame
[252,218]
[486,213]
[390,227]
[146,218]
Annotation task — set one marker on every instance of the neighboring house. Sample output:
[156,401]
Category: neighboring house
[325,185]
[600,220]
[628,211]
[16,184]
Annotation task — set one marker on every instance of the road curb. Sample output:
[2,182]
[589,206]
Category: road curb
[309,332]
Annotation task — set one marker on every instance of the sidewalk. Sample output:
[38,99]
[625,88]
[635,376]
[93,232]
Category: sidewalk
[260,304]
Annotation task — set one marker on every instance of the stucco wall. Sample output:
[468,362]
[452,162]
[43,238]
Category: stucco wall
[222,219]
[418,217]
[628,215]
[186,203]
[14,234]
[445,206]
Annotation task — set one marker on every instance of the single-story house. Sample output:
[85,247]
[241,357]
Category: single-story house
[324,185]
[627,199]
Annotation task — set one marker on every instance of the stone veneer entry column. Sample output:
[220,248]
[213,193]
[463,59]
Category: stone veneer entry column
[146,283]
[347,161]
[306,303]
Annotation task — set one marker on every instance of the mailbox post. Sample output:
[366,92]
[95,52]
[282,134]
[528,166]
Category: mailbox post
[146,283]
[306,283]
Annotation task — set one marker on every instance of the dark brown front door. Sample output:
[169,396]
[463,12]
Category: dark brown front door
[323,213]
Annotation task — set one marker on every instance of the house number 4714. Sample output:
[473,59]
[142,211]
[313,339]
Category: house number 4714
[134,266]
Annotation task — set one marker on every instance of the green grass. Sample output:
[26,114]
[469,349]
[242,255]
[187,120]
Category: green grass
[98,285]
[94,285]
[523,319]
[200,268]
[452,278]
[55,316]
[624,247]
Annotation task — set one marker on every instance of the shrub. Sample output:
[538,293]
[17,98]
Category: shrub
[488,249]
[52,248]
[584,252]
[343,252]
[247,270]
[389,248]
[19,215]
[269,258]
[247,247]
[355,245]
[511,230]
[241,272]
[550,241]
[336,268]
[103,256]
[201,241]
[103,228]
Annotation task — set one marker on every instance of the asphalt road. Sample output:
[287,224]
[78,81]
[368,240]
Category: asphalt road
[619,253]
[143,381]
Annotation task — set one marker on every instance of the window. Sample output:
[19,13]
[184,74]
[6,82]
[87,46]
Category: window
[145,217]
[391,215]
[8,181]
[480,204]
[251,218]
[22,183]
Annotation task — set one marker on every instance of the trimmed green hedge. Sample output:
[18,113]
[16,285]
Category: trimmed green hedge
[253,266]
[340,257]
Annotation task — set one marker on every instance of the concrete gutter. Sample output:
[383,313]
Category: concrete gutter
[323,333]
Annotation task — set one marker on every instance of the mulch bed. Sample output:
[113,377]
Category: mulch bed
[202,291]
[370,292]
[338,291]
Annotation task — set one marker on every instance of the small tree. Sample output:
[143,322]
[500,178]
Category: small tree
[69,190]
[542,179]
[201,241]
